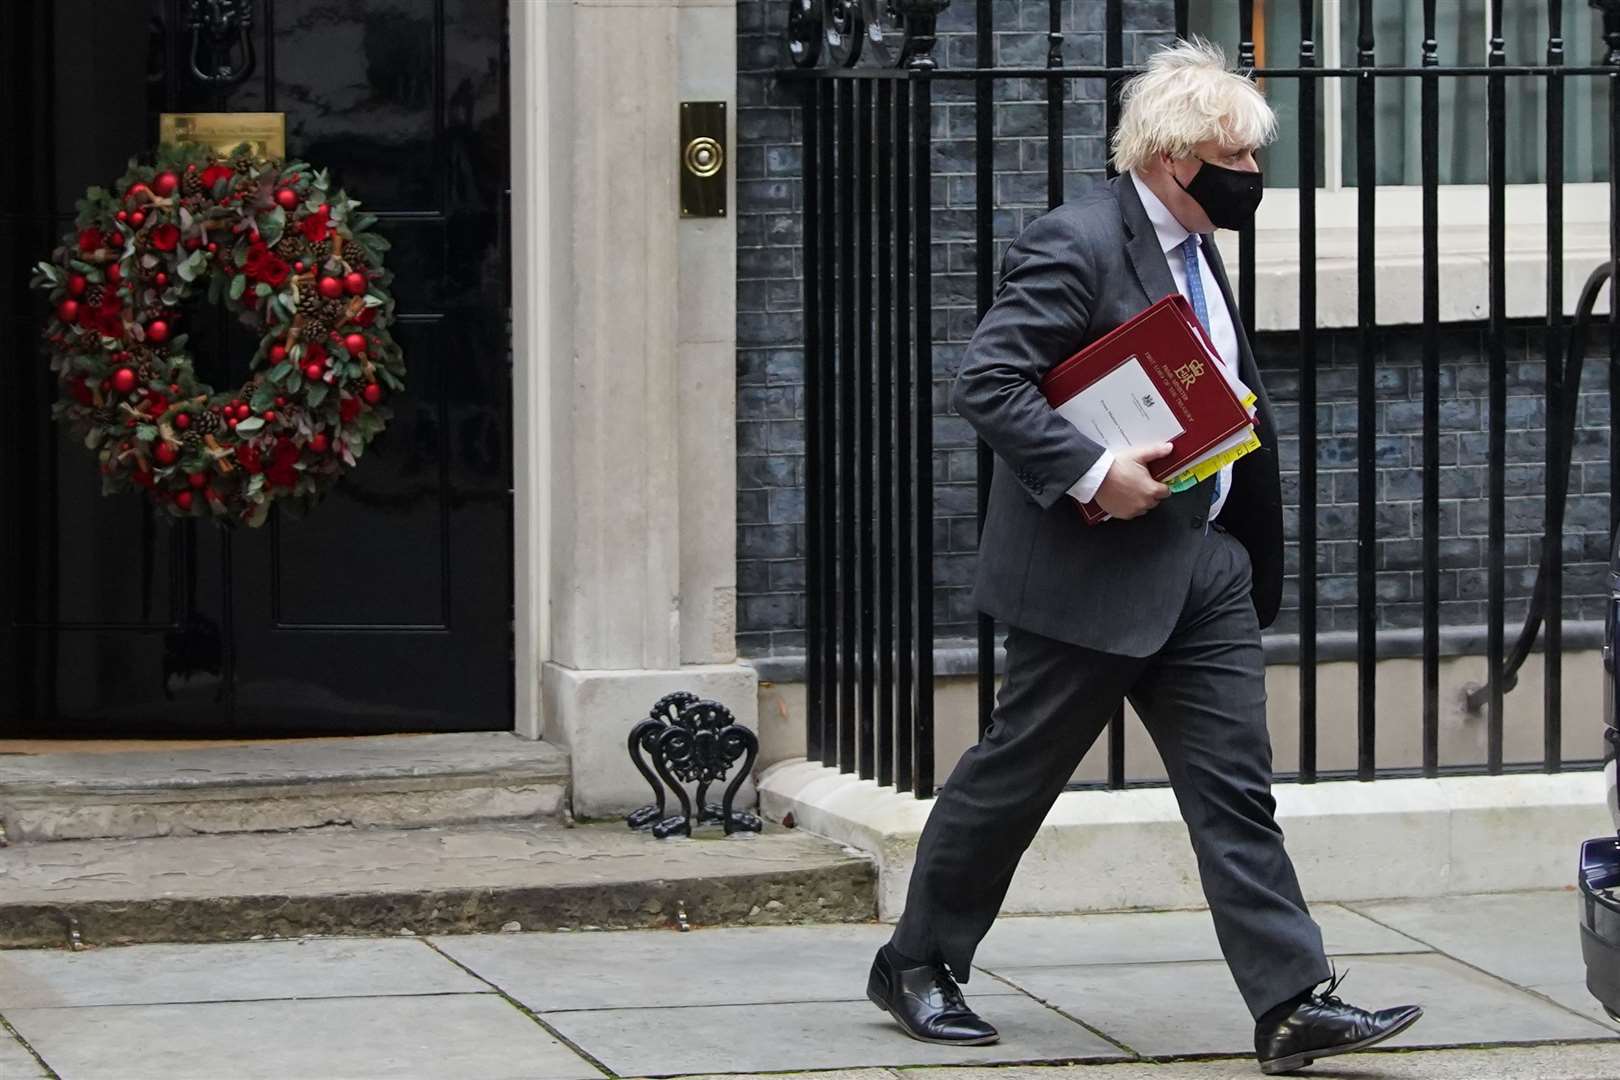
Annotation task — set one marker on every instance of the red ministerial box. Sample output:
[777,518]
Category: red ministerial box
[1177,356]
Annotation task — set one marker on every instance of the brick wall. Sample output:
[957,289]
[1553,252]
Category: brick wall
[770,466]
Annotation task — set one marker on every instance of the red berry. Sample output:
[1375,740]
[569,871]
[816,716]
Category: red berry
[67,310]
[281,402]
[157,330]
[137,219]
[166,454]
[77,284]
[212,247]
[231,422]
[130,422]
[182,421]
[331,288]
[319,442]
[313,371]
[115,273]
[165,184]
[193,243]
[161,278]
[174,388]
[299,266]
[183,500]
[137,189]
[355,282]
[198,480]
[243,412]
[286,198]
[122,215]
[355,343]
[269,416]
[278,353]
[124,380]
[372,393]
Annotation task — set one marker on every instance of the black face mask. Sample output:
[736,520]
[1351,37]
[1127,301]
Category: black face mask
[1228,196]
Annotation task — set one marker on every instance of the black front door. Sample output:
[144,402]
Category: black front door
[390,607]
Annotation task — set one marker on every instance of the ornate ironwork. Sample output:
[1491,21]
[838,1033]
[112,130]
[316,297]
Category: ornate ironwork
[804,32]
[224,26]
[644,740]
[844,31]
[692,742]
[917,19]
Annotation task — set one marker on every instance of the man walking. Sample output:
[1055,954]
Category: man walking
[1162,604]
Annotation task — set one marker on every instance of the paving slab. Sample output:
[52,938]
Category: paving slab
[165,974]
[16,1063]
[1157,936]
[1194,1008]
[815,1035]
[1532,939]
[1550,1062]
[660,968]
[397,1038]
[474,878]
[395,780]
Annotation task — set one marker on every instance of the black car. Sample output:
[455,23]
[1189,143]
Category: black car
[1600,858]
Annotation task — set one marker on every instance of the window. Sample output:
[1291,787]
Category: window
[1462,30]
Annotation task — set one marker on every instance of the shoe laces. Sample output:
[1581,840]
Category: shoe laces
[948,990]
[1326,995]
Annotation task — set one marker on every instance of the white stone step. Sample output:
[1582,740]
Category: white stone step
[400,781]
[477,878]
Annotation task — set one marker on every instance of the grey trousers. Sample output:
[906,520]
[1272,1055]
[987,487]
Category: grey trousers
[1203,700]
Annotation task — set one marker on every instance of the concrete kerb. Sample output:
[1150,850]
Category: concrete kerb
[1119,850]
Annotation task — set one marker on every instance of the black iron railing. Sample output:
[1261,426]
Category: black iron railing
[870,326]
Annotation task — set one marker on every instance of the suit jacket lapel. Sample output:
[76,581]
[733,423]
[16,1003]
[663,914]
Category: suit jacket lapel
[1248,370]
[1142,247]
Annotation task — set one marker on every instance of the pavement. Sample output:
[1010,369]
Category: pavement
[1135,996]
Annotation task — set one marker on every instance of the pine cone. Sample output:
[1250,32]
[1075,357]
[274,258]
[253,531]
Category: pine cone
[309,299]
[192,440]
[104,416]
[94,295]
[206,422]
[191,183]
[148,372]
[290,247]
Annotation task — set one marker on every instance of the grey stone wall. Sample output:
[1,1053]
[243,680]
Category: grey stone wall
[770,500]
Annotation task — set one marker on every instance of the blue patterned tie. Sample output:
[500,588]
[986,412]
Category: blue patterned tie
[1195,293]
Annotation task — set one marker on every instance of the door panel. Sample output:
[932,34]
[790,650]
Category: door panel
[389,607]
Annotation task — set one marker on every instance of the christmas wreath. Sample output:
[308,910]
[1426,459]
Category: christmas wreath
[293,261]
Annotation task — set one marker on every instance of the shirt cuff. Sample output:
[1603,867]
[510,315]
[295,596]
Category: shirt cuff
[1085,488]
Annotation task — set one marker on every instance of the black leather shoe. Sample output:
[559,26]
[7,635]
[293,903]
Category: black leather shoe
[926,1002]
[1322,1026]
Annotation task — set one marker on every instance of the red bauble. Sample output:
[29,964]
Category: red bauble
[298,266]
[372,393]
[137,219]
[114,274]
[68,311]
[122,215]
[212,247]
[331,288]
[165,184]
[313,371]
[278,353]
[198,480]
[161,278]
[137,189]
[165,454]
[319,442]
[243,412]
[355,343]
[231,422]
[77,284]
[355,282]
[269,416]
[157,330]
[286,198]
[183,500]
[124,380]
[182,422]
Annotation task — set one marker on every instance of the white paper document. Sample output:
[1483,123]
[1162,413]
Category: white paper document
[1122,409]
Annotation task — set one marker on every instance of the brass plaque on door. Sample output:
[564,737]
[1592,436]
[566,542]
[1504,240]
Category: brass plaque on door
[703,161]
[266,133]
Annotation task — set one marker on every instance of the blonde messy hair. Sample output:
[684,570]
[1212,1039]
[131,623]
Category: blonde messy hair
[1188,95]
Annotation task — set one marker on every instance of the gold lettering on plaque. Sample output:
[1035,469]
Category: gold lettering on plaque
[265,133]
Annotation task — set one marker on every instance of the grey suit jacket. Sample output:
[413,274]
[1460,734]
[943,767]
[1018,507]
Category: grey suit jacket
[1073,275]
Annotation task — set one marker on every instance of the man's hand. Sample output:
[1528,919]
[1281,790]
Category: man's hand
[1129,490]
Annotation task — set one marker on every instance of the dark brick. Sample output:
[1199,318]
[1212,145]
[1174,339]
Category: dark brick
[773,611]
[767,542]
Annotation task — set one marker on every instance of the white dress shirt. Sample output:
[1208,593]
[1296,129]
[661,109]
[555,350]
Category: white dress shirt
[1172,234]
